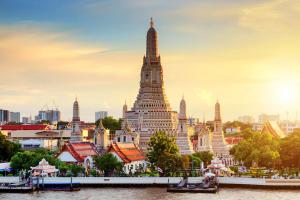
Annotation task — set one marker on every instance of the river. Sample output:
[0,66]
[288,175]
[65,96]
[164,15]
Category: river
[155,194]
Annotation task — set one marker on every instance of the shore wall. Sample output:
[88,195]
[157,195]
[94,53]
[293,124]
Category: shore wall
[164,181]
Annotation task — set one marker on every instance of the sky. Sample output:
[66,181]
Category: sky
[245,53]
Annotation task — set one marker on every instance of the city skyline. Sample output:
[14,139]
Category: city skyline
[56,53]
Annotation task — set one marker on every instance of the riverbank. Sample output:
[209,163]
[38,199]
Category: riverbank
[229,182]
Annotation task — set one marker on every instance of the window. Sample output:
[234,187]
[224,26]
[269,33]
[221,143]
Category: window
[119,140]
[124,138]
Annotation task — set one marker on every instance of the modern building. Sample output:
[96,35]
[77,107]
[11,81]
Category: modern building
[263,118]
[49,115]
[248,119]
[183,140]
[15,117]
[151,112]
[100,115]
[4,116]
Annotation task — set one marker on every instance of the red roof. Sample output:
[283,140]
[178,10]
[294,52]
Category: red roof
[80,150]
[233,140]
[128,152]
[24,127]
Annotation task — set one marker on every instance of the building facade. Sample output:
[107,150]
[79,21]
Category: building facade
[100,115]
[151,112]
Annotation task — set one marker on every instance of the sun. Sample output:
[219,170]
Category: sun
[286,93]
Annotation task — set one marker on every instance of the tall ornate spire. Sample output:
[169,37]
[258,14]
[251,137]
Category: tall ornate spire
[151,51]
[76,116]
[217,112]
[182,109]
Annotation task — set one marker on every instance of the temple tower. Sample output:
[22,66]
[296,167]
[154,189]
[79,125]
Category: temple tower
[219,145]
[184,131]
[101,137]
[76,130]
[151,112]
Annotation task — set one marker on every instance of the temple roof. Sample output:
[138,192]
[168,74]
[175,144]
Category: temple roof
[128,152]
[80,150]
[25,127]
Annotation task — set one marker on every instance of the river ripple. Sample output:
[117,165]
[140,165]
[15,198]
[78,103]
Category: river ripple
[155,194]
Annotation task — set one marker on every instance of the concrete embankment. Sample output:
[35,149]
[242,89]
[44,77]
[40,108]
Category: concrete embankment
[236,182]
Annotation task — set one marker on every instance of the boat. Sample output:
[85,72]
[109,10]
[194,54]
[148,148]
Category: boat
[209,184]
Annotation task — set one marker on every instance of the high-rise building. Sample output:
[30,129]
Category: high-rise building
[4,116]
[15,117]
[248,119]
[100,115]
[151,111]
[263,118]
[50,115]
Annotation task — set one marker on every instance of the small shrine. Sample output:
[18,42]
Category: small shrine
[44,169]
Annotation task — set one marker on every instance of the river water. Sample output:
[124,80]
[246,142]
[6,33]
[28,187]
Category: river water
[155,194]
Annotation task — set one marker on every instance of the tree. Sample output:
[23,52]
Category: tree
[110,123]
[108,163]
[290,150]
[75,169]
[169,163]
[161,143]
[7,148]
[25,160]
[204,156]
[260,149]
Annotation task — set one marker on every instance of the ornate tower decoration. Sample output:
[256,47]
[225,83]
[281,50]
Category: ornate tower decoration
[101,137]
[219,145]
[76,130]
[184,131]
[151,112]
[124,110]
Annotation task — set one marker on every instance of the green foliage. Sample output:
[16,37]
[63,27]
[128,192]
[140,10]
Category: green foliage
[108,163]
[27,159]
[45,122]
[111,124]
[204,156]
[170,163]
[94,173]
[259,148]
[290,150]
[75,169]
[160,143]
[62,125]
[7,148]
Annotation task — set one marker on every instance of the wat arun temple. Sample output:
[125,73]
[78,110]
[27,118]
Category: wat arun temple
[151,112]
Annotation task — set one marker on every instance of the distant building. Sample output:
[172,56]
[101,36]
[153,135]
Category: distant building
[36,136]
[26,120]
[232,130]
[248,119]
[4,116]
[257,127]
[49,115]
[15,117]
[100,115]
[263,118]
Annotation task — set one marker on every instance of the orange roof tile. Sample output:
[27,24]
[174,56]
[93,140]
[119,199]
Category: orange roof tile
[128,152]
